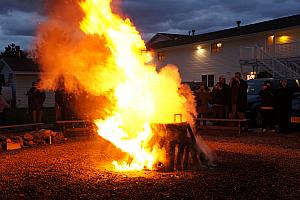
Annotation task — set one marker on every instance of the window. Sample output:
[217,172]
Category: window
[204,79]
[216,47]
[211,81]
[161,56]
[208,80]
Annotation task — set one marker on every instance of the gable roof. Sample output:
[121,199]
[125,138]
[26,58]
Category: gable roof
[270,25]
[165,37]
[18,64]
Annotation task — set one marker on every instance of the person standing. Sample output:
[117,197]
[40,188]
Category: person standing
[59,104]
[202,99]
[36,99]
[3,106]
[226,95]
[242,102]
[217,101]
[267,107]
[283,106]
[60,100]
[234,93]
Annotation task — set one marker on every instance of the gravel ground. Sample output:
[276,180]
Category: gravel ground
[257,166]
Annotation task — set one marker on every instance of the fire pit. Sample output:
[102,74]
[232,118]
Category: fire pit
[169,136]
[180,144]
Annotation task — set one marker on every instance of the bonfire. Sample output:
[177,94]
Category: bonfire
[102,53]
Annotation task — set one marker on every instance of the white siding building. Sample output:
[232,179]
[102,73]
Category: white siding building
[19,73]
[270,47]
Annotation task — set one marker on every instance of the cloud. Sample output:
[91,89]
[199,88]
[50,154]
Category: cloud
[154,16]
[20,23]
[20,18]
[7,6]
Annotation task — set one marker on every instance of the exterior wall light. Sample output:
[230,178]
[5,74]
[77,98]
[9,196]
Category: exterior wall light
[284,39]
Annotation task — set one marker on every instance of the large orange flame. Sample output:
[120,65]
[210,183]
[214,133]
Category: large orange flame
[142,95]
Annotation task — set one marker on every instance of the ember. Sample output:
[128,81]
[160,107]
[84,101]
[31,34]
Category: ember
[110,60]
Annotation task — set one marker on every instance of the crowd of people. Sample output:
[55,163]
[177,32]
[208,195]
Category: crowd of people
[229,101]
[36,98]
[64,103]
[226,100]
[276,106]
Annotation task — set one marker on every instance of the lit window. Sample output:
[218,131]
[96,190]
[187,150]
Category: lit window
[216,47]
[284,39]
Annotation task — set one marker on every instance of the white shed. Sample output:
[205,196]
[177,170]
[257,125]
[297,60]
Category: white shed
[19,73]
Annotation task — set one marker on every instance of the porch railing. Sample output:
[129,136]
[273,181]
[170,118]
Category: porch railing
[286,50]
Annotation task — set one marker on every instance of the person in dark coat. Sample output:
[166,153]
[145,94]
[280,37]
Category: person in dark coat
[60,101]
[268,107]
[59,104]
[70,105]
[226,95]
[234,93]
[283,106]
[36,99]
[217,101]
[242,102]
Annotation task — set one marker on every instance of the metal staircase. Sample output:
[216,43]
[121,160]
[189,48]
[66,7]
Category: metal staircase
[294,65]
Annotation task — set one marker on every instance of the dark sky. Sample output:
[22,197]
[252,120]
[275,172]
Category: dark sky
[19,18]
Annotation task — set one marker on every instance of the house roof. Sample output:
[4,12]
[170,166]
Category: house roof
[270,25]
[22,64]
[167,36]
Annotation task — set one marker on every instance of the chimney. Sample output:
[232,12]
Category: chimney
[189,33]
[238,23]
[193,32]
